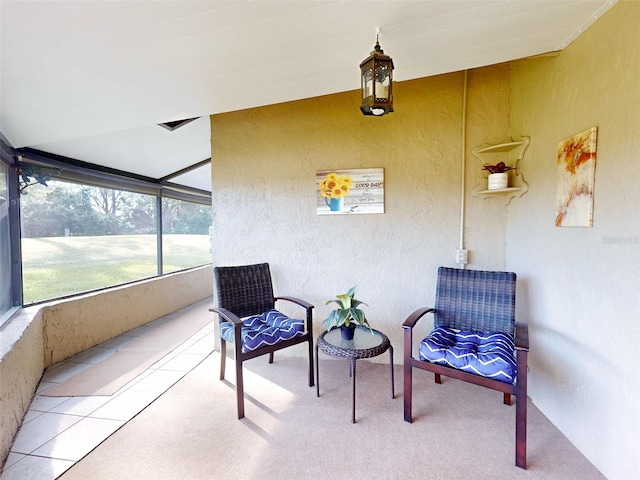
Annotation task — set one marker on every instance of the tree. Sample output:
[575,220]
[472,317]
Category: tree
[51,211]
[108,201]
[185,217]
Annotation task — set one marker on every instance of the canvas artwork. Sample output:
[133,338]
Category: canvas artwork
[576,177]
[341,192]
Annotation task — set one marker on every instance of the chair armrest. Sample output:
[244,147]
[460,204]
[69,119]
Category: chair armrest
[412,319]
[227,315]
[298,301]
[407,326]
[522,336]
[308,307]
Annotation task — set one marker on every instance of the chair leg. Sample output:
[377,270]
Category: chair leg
[407,375]
[223,357]
[408,381]
[317,373]
[521,410]
[393,393]
[239,386]
[311,379]
[521,432]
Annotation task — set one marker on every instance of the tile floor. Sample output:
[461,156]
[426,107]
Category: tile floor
[58,431]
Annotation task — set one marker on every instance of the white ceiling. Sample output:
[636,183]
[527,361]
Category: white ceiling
[91,80]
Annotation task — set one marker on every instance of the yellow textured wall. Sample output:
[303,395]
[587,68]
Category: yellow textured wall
[20,370]
[579,287]
[98,317]
[41,336]
[264,163]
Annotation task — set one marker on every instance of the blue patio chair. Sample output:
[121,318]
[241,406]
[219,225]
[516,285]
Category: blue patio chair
[475,339]
[246,311]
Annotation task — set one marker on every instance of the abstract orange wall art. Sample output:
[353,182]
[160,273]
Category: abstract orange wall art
[576,178]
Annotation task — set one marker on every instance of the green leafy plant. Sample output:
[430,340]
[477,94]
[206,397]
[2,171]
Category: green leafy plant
[348,311]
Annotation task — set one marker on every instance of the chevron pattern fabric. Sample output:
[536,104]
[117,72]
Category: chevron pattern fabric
[488,354]
[265,329]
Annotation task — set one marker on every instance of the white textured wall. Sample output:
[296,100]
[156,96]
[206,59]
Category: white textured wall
[580,287]
[264,163]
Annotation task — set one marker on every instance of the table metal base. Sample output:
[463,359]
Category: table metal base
[353,354]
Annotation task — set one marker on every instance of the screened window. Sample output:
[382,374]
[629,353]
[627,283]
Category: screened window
[77,238]
[6,301]
[185,234]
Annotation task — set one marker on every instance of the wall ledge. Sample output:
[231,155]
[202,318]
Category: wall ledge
[38,336]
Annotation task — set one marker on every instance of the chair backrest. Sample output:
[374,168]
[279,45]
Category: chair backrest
[245,290]
[476,300]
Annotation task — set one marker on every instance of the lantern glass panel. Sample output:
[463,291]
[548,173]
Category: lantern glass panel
[367,83]
[382,81]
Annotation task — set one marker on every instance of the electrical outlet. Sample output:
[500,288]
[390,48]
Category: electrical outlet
[462,256]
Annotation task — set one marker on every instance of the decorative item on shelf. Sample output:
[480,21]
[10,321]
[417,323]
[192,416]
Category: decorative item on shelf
[333,189]
[493,157]
[376,76]
[348,315]
[498,177]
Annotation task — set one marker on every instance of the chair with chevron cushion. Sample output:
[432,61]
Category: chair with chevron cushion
[476,339]
[246,311]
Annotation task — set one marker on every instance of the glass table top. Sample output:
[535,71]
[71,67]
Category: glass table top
[363,339]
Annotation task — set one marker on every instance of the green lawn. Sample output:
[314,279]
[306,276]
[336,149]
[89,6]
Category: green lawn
[58,266]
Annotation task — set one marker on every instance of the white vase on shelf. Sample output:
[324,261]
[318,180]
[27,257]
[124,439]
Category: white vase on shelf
[497,181]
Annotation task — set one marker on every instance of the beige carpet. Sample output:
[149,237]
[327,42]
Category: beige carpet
[460,431]
[160,338]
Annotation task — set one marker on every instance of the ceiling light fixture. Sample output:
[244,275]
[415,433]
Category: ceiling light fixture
[376,76]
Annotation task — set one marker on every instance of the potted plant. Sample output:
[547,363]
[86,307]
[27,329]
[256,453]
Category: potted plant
[498,177]
[347,315]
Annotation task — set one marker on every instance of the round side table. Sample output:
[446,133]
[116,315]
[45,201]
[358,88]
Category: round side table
[366,343]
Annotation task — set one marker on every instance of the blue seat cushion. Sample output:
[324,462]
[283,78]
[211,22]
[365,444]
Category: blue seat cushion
[490,354]
[259,331]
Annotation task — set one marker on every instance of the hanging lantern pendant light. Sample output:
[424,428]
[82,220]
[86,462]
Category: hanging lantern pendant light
[376,76]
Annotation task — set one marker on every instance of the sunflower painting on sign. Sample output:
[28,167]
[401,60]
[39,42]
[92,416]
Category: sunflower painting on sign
[576,178]
[350,191]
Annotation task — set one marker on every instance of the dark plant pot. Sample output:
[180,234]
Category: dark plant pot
[347,332]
